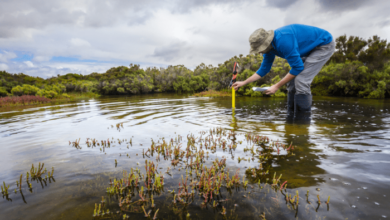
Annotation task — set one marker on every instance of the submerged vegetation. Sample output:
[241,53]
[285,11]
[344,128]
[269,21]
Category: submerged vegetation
[358,68]
[202,179]
[35,175]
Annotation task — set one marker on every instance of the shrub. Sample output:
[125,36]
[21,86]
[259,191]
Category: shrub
[47,93]
[25,89]
[3,91]
[120,90]
[65,95]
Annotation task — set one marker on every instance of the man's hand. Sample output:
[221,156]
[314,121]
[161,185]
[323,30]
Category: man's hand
[281,83]
[238,84]
[271,90]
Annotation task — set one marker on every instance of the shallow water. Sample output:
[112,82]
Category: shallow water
[344,152]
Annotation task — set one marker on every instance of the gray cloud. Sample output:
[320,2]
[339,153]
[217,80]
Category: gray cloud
[160,32]
[172,51]
[344,5]
[20,15]
[383,23]
[282,4]
[188,5]
[16,16]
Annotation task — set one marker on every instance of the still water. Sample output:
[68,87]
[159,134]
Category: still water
[343,153]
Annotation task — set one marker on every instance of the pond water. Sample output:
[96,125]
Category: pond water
[343,153]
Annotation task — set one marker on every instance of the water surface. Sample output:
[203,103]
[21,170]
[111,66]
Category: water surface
[343,153]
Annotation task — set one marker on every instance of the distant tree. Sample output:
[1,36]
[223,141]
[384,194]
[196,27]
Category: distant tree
[348,50]
[373,53]
[377,54]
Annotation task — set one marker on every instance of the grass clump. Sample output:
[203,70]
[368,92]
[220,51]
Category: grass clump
[213,93]
[22,100]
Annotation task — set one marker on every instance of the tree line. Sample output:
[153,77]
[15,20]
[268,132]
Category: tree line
[358,68]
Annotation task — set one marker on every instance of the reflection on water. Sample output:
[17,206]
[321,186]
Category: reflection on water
[343,153]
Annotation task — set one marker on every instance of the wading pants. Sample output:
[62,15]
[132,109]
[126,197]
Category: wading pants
[299,97]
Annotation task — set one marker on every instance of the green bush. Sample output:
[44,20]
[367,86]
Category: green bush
[65,95]
[3,91]
[47,93]
[120,90]
[25,89]
[352,79]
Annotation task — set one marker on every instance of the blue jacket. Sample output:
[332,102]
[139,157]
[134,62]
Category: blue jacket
[292,42]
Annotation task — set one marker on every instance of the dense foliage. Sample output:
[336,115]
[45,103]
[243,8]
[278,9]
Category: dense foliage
[358,68]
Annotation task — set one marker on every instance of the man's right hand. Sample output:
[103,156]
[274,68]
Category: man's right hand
[253,78]
[237,85]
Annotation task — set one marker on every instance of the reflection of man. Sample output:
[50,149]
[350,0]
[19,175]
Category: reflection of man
[305,48]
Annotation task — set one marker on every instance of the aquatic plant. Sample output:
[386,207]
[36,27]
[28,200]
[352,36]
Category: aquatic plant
[75,143]
[139,187]
[95,210]
[146,214]
[281,187]
[36,175]
[155,215]
[223,210]
[4,189]
[327,202]
[37,172]
[119,126]
[20,183]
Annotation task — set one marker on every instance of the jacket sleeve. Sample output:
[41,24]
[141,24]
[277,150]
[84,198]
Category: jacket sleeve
[289,48]
[266,65]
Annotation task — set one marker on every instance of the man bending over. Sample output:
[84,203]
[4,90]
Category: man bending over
[306,49]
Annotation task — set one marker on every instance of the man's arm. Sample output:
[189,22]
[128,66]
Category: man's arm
[281,83]
[265,67]
[253,78]
[289,48]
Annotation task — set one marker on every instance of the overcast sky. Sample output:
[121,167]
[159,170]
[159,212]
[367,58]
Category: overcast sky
[49,37]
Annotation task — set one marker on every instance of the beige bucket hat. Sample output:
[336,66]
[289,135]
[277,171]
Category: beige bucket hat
[260,40]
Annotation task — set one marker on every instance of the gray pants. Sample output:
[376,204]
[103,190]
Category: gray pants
[313,64]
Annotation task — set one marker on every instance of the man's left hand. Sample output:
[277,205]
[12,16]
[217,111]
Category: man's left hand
[271,90]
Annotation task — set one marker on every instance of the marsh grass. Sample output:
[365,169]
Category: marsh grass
[22,100]
[26,100]
[213,93]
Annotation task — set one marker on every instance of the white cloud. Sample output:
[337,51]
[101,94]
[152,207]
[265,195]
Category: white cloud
[77,42]
[28,63]
[41,58]
[3,66]
[5,56]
